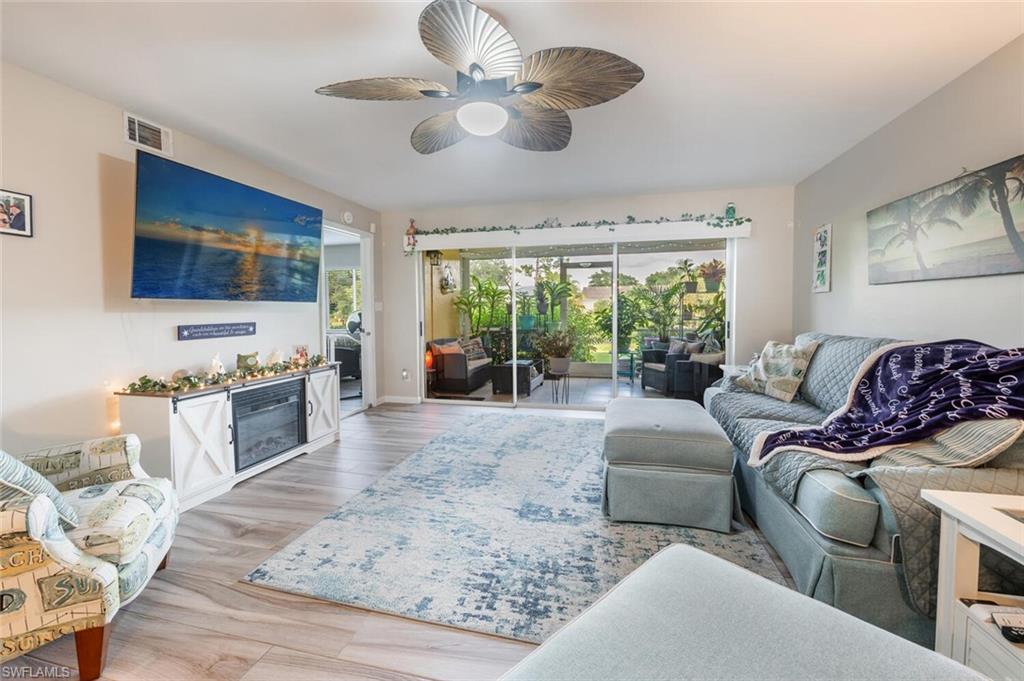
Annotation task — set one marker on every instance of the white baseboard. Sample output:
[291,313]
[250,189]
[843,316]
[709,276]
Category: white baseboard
[398,399]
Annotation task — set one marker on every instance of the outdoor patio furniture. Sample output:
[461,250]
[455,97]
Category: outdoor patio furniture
[529,375]
[455,372]
[626,366]
[350,359]
[559,386]
[658,371]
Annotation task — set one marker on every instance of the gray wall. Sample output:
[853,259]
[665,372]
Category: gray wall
[976,120]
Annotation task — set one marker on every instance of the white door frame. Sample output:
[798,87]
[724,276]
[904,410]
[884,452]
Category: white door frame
[368,359]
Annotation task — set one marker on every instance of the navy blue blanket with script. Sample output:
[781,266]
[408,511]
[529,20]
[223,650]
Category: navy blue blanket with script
[908,392]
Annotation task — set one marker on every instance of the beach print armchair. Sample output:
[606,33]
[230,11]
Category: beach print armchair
[82,531]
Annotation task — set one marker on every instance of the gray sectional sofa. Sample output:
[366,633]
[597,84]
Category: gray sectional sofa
[838,537]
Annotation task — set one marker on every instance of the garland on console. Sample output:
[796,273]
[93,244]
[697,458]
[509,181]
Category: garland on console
[711,220]
[145,384]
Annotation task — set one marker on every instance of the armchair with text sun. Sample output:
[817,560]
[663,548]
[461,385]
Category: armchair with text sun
[82,531]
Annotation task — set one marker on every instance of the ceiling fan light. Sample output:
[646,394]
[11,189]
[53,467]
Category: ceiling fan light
[482,118]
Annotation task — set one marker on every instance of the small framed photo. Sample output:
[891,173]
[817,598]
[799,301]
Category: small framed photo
[15,213]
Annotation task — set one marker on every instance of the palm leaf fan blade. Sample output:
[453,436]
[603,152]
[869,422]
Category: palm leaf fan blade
[576,77]
[536,129]
[436,133]
[460,34]
[390,89]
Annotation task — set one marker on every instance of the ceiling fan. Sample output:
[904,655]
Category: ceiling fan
[528,111]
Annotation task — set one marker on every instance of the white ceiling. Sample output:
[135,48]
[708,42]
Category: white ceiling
[734,95]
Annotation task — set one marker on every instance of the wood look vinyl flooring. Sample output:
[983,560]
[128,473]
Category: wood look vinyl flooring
[196,620]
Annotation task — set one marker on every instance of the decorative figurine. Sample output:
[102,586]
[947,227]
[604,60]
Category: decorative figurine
[730,211]
[275,357]
[410,236]
[216,366]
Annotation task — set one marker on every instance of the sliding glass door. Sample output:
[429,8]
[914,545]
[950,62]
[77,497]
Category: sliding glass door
[467,324]
[671,296]
[534,325]
[564,297]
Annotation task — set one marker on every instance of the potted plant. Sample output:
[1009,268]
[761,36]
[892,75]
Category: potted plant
[713,322]
[542,300]
[713,273]
[556,348]
[688,275]
[524,308]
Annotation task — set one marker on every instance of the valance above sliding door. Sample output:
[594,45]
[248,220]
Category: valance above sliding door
[633,232]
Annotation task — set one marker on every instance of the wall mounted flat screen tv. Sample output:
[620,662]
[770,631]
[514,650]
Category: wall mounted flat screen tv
[203,237]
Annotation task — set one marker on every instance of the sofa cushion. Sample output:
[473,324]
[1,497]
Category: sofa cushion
[835,505]
[728,407]
[664,433]
[17,479]
[475,364]
[654,366]
[687,615]
[118,517]
[827,381]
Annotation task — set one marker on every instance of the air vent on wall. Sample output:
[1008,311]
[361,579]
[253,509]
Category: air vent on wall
[147,135]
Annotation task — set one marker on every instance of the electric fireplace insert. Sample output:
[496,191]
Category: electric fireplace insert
[268,421]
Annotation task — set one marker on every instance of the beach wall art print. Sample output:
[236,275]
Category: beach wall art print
[199,236]
[970,226]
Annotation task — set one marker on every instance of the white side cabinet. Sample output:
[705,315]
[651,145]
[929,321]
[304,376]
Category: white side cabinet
[322,404]
[189,438]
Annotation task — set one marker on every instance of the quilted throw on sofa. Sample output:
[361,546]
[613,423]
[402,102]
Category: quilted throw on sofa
[905,393]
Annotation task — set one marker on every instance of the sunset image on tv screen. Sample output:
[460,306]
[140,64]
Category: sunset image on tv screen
[200,236]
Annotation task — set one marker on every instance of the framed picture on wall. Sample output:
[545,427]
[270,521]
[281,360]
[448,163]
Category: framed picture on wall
[822,260]
[15,213]
[970,226]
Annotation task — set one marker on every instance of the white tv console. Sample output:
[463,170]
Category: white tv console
[188,437]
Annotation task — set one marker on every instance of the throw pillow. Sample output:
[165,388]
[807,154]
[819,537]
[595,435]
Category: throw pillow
[474,349]
[695,347]
[452,348]
[677,347]
[711,344]
[966,445]
[17,479]
[779,371]
[713,358]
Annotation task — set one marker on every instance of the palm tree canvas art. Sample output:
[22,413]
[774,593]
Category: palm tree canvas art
[971,226]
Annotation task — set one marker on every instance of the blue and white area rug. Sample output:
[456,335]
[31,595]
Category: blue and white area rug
[494,526]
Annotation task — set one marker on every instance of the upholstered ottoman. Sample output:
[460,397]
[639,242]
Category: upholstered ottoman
[685,615]
[668,462]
